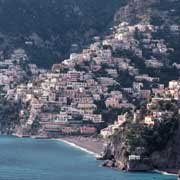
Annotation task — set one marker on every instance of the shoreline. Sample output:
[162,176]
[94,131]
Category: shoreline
[74,142]
[90,145]
[166,173]
[78,147]
[93,146]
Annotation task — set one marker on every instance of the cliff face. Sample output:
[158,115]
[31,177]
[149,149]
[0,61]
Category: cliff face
[119,152]
[169,157]
[140,147]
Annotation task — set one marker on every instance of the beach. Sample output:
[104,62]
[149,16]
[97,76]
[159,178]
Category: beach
[95,147]
[91,145]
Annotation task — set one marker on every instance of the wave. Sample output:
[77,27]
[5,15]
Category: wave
[164,173]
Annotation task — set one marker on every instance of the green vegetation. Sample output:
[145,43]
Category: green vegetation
[53,26]
[150,138]
[9,115]
[35,127]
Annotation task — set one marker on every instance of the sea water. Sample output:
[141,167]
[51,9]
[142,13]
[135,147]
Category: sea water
[32,159]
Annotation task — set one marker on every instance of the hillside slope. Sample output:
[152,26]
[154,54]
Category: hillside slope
[138,146]
[121,79]
[48,29]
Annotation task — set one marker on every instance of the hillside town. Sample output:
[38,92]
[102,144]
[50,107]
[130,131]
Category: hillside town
[85,80]
[13,70]
[92,90]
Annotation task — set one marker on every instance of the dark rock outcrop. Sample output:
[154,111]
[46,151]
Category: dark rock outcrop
[142,165]
[134,147]
[169,157]
[108,163]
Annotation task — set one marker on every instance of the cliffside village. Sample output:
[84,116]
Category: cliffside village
[71,98]
[13,69]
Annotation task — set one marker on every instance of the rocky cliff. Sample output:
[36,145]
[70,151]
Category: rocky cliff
[136,146]
[166,159]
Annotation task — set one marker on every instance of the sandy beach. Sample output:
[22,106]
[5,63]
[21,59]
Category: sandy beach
[95,147]
[91,145]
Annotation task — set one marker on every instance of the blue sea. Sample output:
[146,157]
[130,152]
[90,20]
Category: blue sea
[31,159]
